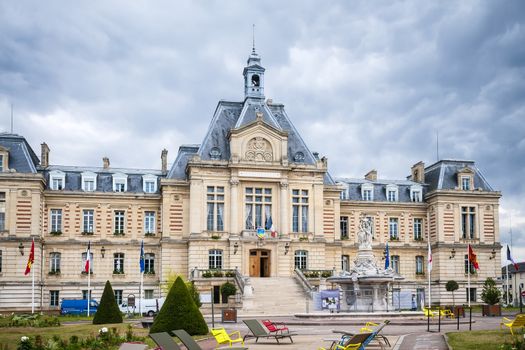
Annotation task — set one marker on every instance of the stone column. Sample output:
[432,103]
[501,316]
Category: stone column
[234,209]
[283,229]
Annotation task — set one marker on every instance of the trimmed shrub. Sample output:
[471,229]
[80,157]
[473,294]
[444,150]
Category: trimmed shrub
[452,286]
[227,289]
[179,312]
[108,311]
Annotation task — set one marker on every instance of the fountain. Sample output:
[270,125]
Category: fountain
[365,286]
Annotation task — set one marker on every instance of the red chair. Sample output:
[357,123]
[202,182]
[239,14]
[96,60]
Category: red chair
[275,327]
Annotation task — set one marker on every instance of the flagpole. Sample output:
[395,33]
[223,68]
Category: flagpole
[507,291]
[428,265]
[468,274]
[89,287]
[33,291]
[140,292]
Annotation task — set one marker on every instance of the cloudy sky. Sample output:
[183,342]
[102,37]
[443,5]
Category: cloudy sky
[367,83]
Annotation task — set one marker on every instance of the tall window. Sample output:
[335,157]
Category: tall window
[367,195]
[1,162]
[391,195]
[300,211]
[215,208]
[84,255]
[118,263]
[419,265]
[85,294]
[344,227]
[149,186]
[301,259]
[393,229]
[415,196]
[215,259]
[468,222]
[394,260]
[149,222]
[0,261]
[148,293]
[57,183]
[54,261]
[465,183]
[258,207]
[418,229]
[89,185]
[472,268]
[56,220]
[149,263]
[2,211]
[54,298]
[345,263]
[119,222]
[118,296]
[473,294]
[88,217]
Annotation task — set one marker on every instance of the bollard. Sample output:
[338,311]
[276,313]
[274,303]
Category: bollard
[439,320]
[470,319]
[212,310]
[458,320]
[521,302]
[428,320]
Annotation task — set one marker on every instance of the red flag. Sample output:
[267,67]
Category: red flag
[472,258]
[88,257]
[31,258]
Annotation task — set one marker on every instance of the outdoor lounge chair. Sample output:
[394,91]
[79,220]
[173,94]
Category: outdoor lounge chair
[446,313]
[429,312]
[164,340]
[258,331]
[133,346]
[222,337]
[518,322]
[191,344]
[374,335]
[347,342]
[275,327]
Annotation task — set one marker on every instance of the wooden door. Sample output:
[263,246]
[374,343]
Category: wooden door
[254,263]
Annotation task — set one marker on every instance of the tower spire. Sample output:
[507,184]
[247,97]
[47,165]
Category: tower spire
[253,38]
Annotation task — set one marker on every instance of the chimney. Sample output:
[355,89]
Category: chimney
[105,162]
[164,160]
[418,172]
[371,175]
[44,158]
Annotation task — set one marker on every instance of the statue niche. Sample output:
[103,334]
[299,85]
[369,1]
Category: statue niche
[259,150]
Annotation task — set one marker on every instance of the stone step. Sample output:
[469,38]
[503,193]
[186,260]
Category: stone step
[275,295]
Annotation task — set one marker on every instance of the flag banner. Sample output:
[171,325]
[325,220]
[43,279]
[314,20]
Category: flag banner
[31,258]
[271,227]
[472,257]
[509,258]
[142,257]
[429,258]
[387,257]
[87,267]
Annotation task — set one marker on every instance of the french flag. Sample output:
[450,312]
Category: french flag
[269,226]
[509,258]
[88,258]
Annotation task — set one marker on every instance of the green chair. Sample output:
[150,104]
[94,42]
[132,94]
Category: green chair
[164,340]
[258,331]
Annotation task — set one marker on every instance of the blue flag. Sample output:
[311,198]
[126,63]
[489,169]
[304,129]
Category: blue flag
[142,257]
[387,257]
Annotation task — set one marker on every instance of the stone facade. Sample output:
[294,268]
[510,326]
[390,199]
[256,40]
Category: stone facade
[250,197]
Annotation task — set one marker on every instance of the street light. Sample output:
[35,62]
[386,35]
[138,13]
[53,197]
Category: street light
[21,248]
[102,251]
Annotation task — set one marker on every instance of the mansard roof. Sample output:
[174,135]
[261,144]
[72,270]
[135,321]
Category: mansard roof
[442,175]
[233,115]
[22,158]
[352,188]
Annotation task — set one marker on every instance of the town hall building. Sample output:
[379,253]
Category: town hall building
[250,201]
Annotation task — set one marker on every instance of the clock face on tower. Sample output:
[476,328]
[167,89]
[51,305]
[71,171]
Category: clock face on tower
[255,80]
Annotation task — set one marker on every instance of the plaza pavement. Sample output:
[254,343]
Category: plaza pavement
[403,334]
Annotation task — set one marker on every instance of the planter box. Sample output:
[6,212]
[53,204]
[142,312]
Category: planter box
[459,311]
[491,310]
[229,315]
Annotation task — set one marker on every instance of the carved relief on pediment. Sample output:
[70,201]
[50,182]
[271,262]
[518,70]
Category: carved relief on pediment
[259,150]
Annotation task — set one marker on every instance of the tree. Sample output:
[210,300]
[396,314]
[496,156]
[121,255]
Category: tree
[490,293]
[172,277]
[452,286]
[108,311]
[179,312]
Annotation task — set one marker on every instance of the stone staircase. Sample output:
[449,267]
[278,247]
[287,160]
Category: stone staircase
[275,296]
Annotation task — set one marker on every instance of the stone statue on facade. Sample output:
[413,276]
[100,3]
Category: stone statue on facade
[364,236]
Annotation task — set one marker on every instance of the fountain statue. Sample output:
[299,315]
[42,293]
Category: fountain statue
[365,286]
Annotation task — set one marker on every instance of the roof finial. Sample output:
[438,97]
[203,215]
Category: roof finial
[253,38]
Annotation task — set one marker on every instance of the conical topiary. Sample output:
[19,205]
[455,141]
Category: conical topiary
[179,312]
[108,311]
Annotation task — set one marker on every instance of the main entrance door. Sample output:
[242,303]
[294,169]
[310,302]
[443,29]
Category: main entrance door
[259,263]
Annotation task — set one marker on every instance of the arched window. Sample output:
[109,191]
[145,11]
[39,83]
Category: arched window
[301,259]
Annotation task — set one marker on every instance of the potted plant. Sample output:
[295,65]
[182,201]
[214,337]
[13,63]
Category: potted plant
[491,296]
[452,286]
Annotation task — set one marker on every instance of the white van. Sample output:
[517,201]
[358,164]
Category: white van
[149,307]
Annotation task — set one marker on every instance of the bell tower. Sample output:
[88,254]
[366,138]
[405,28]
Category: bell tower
[254,77]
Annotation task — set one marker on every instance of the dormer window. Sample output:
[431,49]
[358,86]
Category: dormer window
[391,193]
[367,192]
[416,193]
[57,180]
[149,183]
[4,159]
[466,179]
[89,181]
[465,183]
[120,182]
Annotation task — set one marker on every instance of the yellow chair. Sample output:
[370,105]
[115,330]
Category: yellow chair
[518,322]
[367,326]
[446,313]
[429,312]
[222,337]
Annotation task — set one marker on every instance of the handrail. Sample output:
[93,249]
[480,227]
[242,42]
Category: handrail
[308,288]
[239,279]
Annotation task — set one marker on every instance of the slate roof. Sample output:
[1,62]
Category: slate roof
[442,175]
[512,269]
[353,188]
[22,158]
[104,177]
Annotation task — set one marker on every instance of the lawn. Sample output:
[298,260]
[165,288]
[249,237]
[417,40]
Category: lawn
[10,336]
[480,340]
